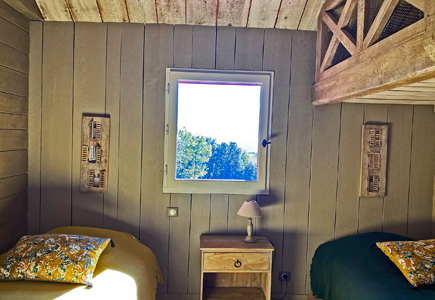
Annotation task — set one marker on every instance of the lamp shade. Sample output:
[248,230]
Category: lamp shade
[250,209]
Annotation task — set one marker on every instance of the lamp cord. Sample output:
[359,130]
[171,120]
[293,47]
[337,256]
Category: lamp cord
[286,283]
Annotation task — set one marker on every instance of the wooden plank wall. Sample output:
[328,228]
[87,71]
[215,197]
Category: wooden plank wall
[14,92]
[119,69]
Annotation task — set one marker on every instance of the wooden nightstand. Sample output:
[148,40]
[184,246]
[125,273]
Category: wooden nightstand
[232,269]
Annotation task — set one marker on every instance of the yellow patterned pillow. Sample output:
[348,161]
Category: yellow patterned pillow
[415,259]
[53,257]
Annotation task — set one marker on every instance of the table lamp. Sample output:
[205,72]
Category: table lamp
[250,209]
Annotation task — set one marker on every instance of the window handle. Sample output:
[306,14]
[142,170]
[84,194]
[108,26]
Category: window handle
[265,143]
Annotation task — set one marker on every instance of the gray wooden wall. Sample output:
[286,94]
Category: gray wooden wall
[14,70]
[119,69]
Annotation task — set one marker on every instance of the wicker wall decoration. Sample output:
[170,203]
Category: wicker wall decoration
[95,154]
[374,160]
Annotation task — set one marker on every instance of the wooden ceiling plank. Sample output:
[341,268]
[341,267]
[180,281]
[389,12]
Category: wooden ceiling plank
[200,12]
[141,11]
[54,10]
[263,13]
[27,7]
[171,11]
[380,21]
[290,14]
[233,13]
[312,10]
[84,10]
[113,11]
[389,101]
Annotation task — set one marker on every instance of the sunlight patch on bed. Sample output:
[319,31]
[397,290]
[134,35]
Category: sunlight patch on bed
[111,284]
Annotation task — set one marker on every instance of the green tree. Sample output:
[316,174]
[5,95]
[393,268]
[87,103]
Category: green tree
[193,153]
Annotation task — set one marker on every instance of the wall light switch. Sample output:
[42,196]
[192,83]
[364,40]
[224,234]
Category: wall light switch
[172,211]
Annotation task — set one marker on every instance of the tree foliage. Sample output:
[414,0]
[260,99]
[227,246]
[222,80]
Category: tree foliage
[200,157]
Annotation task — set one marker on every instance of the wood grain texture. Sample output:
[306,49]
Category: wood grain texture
[225,44]
[290,14]
[14,82]
[13,139]
[233,13]
[179,244]
[199,224]
[263,13]
[422,173]
[13,185]
[249,49]
[9,121]
[13,16]
[113,77]
[12,208]
[404,35]
[13,104]
[399,161]
[142,11]
[154,230]
[349,170]
[272,206]
[89,98]
[113,10]
[13,59]
[371,209]
[298,165]
[54,10]
[171,11]
[351,84]
[199,12]
[26,7]
[183,35]
[203,47]
[309,18]
[323,178]
[56,142]
[13,163]
[84,11]
[11,232]
[130,128]
[219,214]
[35,115]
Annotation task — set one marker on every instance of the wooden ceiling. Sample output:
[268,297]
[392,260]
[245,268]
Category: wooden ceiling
[286,14]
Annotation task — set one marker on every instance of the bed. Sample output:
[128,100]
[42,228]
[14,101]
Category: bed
[354,268]
[127,271]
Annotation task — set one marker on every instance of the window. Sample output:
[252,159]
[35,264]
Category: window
[215,123]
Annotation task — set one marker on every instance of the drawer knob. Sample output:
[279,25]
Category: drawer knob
[238,264]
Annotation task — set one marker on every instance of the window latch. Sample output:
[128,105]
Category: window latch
[265,143]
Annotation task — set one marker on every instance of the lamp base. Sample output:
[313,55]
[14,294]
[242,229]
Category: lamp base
[249,239]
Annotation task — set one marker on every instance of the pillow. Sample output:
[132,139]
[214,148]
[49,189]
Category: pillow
[415,259]
[53,257]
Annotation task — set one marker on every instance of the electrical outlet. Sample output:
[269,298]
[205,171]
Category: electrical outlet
[284,275]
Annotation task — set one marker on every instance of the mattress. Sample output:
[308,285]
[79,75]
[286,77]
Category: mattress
[355,268]
[127,271]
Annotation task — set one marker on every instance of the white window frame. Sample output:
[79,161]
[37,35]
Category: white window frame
[207,186]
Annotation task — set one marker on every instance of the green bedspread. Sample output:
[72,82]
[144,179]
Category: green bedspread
[355,268]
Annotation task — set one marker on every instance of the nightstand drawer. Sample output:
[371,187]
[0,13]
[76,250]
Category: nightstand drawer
[236,261]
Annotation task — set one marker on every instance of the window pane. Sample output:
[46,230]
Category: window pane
[217,131]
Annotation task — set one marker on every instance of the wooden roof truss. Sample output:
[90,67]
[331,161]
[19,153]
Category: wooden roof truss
[399,68]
